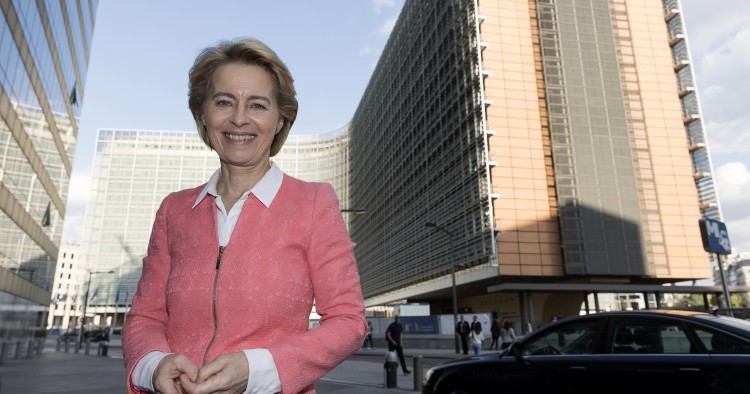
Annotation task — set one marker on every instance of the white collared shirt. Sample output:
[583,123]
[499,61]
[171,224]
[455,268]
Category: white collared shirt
[263,376]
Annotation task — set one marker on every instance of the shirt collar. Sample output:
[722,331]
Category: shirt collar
[265,190]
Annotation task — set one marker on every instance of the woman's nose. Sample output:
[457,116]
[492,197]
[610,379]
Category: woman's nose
[240,116]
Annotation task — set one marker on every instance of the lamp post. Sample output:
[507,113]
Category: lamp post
[86,305]
[453,275]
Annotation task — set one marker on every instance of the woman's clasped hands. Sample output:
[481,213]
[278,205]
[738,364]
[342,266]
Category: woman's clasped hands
[176,374]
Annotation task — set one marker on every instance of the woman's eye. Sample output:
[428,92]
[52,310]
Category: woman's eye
[223,104]
[257,106]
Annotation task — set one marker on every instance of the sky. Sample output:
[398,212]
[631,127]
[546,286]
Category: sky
[142,51]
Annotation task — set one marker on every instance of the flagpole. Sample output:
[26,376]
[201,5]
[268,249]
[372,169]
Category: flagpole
[114,318]
[86,305]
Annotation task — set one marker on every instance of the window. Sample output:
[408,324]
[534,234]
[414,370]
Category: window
[654,337]
[573,338]
[717,343]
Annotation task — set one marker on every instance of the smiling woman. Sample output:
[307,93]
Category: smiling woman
[233,265]
[241,120]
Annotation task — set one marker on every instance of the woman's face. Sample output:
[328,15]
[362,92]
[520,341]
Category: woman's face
[241,115]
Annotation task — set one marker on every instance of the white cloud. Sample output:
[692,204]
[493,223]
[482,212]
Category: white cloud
[380,4]
[366,51]
[722,77]
[733,183]
[718,32]
[75,209]
[387,26]
[733,180]
[729,137]
[709,22]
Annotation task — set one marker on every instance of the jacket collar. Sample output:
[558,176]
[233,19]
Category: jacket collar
[265,190]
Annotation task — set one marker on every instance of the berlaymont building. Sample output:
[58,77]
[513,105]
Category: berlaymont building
[547,152]
[44,54]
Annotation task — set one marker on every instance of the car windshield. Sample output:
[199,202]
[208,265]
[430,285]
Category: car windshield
[573,338]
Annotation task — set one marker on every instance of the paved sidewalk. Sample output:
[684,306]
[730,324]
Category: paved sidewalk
[67,373]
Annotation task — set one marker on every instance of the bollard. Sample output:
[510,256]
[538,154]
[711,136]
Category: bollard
[390,369]
[88,347]
[39,347]
[19,346]
[3,351]
[103,347]
[417,370]
[30,349]
[67,346]
[58,344]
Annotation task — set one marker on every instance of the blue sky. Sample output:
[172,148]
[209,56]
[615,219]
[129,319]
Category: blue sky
[143,49]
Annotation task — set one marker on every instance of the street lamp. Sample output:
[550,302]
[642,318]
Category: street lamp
[86,305]
[453,274]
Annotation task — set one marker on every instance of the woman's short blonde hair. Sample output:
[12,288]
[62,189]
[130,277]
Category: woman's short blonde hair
[244,51]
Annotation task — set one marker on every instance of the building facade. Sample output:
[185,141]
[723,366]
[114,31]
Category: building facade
[132,173]
[548,142]
[69,278]
[44,52]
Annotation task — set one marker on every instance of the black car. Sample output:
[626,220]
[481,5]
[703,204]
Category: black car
[613,352]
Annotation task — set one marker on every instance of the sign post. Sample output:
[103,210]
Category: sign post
[716,240]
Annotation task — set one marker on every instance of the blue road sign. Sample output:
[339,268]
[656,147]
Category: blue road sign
[715,236]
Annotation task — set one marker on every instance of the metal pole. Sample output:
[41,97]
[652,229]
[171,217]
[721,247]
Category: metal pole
[727,300]
[453,277]
[83,318]
[455,303]
[114,318]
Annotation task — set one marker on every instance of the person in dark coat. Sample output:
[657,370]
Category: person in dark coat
[495,331]
[393,335]
[462,330]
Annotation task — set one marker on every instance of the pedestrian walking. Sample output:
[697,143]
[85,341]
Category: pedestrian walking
[394,336]
[477,339]
[368,338]
[495,331]
[462,331]
[507,334]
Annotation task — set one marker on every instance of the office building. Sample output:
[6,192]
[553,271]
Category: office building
[555,146]
[69,277]
[135,169]
[44,52]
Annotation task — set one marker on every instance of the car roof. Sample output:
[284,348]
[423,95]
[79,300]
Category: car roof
[673,312]
[739,326]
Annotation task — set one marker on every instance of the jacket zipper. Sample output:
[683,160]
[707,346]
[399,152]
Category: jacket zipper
[216,320]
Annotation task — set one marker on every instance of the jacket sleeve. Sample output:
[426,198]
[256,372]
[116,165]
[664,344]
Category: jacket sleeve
[145,327]
[304,358]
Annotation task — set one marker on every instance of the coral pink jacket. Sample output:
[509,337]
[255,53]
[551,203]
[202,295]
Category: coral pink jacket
[258,293]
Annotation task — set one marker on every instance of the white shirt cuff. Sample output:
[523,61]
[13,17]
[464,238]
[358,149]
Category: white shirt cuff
[263,376]
[143,374]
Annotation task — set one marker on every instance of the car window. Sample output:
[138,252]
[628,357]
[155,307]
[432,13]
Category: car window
[651,337]
[718,343]
[573,338]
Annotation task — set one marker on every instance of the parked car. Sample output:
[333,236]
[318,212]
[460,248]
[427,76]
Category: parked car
[613,352]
